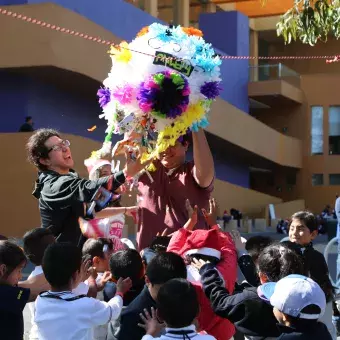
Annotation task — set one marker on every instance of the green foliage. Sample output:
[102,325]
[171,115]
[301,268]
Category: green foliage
[310,21]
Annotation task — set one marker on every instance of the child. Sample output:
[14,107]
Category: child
[60,314]
[35,243]
[251,315]
[127,263]
[162,268]
[303,229]
[298,303]
[248,255]
[177,307]
[217,247]
[99,251]
[12,298]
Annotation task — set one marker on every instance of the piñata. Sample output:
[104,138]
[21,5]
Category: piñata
[161,86]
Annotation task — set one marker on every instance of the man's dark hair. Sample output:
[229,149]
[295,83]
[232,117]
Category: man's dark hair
[35,243]
[127,263]
[303,325]
[307,218]
[177,303]
[11,255]
[36,148]
[164,267]
[186,139]
[60,262]
[27,119]
[256,244]
[278,261]
[95,247]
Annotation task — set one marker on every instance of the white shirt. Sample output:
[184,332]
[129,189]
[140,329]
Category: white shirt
[58,319]
[80,290]
[191,334]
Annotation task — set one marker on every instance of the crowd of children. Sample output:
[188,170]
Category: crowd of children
[183,287]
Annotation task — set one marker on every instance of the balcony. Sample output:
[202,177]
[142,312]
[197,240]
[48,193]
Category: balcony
[274,85]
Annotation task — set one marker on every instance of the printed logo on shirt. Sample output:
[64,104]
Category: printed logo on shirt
[20,294]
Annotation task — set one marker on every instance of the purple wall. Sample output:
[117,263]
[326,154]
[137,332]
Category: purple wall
[228,32]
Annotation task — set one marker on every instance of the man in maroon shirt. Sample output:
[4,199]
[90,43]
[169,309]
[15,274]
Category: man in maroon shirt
[162,200]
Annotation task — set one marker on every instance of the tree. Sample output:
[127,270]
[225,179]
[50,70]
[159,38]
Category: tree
[310,21]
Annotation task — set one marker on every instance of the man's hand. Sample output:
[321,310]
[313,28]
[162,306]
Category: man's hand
[211,216]
[133,162]
[151,324]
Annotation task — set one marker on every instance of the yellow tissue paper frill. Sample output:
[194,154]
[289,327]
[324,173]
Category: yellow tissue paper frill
[168,136]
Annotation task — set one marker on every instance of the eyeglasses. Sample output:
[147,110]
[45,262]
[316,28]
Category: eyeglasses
[62,146]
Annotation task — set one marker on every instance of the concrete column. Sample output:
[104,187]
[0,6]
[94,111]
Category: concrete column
[254,52]
[210,7]
[182,12]
[151,6]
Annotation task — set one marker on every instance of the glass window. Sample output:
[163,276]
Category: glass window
[317,130]
[334,130]
[317,179]
[291,179]
[334,179]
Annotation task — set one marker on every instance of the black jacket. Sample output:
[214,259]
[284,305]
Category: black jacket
[128,328]
[62,198]
[317,332]
[246,310]
[316,265]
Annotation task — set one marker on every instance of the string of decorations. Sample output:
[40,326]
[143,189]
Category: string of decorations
[43,24]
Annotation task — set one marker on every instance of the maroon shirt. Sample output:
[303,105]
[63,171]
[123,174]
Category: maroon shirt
[162,203]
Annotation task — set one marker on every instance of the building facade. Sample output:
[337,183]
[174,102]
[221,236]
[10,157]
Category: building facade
[274,131]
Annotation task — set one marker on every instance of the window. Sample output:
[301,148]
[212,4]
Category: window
[317,179]
[334,179]
[291,179]
[334,130]
[317,130]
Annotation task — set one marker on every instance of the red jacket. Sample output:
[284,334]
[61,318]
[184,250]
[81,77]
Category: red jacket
[221,329]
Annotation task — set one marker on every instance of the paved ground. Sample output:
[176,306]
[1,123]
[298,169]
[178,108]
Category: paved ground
[320,244]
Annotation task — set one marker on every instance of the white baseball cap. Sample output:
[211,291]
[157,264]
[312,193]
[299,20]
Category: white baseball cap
[293,293]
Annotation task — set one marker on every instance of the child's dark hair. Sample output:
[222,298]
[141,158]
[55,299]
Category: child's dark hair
[307,218]
[95,247]
[256,244]
[164,267]
[302,325]
[127,263]
[35,243]
[11,255]
[212,259]
[60,262]
[278,261]
[160,243]
[177,303]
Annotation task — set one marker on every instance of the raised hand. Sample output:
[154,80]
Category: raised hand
[193,216]
[211,216]
[150,323]
[124,285]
